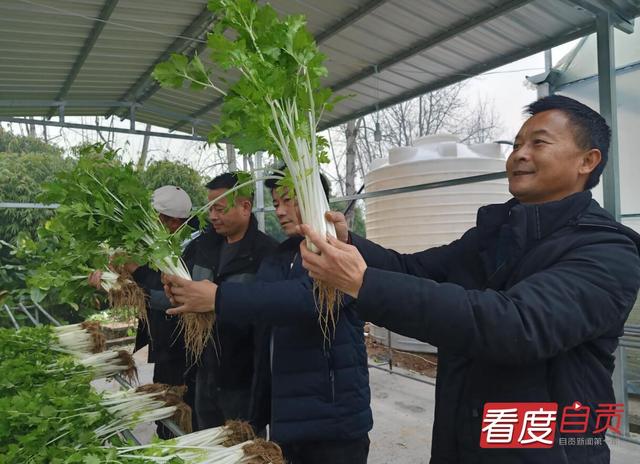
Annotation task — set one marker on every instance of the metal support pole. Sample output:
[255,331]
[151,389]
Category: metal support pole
[132,118]
[358,196]
[350,176]
[130,436]
[119,130]
[400,374]
[620,386]
[608,109]
[389,351]
[13,319]
[26,311]
[259,196]
[544,89]
[611,175]
[231,157]
[548,60]
[11,204]
[47,315]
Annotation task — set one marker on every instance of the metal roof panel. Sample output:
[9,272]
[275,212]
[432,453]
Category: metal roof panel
[380,51]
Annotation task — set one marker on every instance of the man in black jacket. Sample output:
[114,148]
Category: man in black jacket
[313,391]
[526,307]
[232,252]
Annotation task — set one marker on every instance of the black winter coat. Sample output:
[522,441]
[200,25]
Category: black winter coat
[527,306]
[229,356]
[319,390]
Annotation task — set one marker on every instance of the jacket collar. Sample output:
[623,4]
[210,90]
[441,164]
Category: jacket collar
[291,244]
[249,235]
[507,231]
[530,223]
[290,262]
[245,248]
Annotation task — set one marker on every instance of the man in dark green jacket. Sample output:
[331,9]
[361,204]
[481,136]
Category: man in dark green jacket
[526,307]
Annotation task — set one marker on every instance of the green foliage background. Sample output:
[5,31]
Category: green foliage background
[159,173]
[11,143]
[25,164]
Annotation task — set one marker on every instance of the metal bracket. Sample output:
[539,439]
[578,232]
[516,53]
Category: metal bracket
[597,8]
[132,117]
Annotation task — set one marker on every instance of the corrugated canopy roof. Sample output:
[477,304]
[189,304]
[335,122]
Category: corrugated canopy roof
[95,57]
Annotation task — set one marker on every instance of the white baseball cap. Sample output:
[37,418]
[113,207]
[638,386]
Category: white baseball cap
[171,201]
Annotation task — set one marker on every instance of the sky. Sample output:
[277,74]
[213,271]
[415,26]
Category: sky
[508,89]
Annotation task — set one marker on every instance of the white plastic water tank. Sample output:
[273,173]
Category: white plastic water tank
[411,222]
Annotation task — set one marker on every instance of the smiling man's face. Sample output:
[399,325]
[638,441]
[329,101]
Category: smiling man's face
[546,163]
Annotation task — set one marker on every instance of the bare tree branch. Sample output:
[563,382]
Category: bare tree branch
[444,110]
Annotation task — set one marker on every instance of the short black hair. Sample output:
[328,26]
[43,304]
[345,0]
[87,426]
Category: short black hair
[273,183]
[590,129]
[228,180]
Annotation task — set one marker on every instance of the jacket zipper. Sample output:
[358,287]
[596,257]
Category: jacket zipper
[271,349]
[271,346]
[332,377]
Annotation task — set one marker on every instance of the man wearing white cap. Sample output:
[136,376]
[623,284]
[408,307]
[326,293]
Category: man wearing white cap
[173,204]
[166,344]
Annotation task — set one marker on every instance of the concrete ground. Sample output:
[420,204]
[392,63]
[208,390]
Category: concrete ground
[402,414]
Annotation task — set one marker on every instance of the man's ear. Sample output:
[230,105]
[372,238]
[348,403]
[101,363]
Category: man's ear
[590,160]
[247,206]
